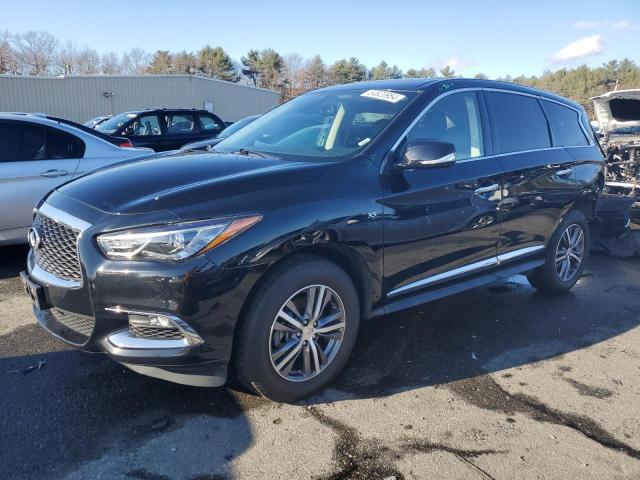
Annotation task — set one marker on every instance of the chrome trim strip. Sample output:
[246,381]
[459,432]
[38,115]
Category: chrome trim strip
[126,341]
[500,90]
[519,253]
[38,273]
[466,269]
[63,217]
[445,275]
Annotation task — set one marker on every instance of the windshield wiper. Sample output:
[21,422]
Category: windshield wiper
[244,151]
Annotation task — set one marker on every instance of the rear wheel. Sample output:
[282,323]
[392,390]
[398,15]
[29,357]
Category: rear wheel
[299,329]
[567,254]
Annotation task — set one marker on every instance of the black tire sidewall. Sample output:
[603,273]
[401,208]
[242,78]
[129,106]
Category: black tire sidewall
[547,277]
[260,374]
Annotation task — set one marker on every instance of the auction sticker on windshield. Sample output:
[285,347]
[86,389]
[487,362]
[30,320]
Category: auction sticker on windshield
[384,95]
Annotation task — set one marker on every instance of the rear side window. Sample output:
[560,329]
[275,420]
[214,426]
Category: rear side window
[518,123]
[207,123]
[565,123]
[62,145]
[179,124]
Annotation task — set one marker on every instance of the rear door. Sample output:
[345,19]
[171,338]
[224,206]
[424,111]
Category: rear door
[539,181]
[182,128]
[568,127]
[442,222]
[34,159]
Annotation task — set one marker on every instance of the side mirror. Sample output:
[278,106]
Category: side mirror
[428,154]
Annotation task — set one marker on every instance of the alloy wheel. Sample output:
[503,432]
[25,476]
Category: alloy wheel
[307,333]
[570,252]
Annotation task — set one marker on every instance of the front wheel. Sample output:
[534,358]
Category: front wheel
[299,329]
[567,254]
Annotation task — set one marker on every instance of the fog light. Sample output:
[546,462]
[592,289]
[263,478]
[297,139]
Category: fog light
[158,326]
[151,321]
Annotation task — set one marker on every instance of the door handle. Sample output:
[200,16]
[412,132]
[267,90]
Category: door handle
[54,173]
[490,188]
[565,172]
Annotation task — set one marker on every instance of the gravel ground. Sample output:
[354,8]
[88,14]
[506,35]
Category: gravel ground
[499,382]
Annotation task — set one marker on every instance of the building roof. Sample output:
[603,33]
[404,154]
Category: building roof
[144,76]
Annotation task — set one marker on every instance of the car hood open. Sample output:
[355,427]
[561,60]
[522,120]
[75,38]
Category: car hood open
[168,182]
[618,109]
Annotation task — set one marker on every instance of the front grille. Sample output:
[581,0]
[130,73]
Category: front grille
[154,332]
[57,252]
[81,324]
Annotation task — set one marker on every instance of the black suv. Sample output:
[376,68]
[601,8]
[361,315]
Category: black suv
[260,259]
[163,129]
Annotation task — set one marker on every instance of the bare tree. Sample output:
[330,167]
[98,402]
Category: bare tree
[135,61]
[88,62]
[110,64]
[8,60]
[36,51]
[293,75]
[67,59]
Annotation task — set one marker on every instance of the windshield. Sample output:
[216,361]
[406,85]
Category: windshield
[234,127]
[114,123]
[330,123]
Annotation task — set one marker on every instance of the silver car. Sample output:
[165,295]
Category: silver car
[38,153]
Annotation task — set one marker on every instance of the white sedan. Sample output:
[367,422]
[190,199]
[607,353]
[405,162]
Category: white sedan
[38,153]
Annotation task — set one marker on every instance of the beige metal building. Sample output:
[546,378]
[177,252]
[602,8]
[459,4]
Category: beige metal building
[81,97]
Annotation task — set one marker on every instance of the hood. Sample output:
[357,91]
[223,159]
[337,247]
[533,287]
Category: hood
[184,178]
[618,109]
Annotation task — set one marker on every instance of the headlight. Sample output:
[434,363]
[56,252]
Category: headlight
[172,242]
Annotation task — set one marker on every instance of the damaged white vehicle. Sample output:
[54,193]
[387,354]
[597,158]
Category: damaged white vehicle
[618,115]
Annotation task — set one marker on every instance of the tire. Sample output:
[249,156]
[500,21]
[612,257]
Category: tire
[551,277]
[264,333]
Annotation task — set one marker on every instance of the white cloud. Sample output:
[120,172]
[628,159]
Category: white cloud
[585,24]
[619,25]
[581,48]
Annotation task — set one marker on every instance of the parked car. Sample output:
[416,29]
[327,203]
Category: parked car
[96,121]
[163,129]
[343,204]
[38,153]
[212,142]
[618,115]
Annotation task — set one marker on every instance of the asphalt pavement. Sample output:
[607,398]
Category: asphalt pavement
[500,382]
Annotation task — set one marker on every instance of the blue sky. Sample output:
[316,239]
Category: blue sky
[494,37]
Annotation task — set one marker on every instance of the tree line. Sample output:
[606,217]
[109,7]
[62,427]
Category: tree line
[40,53]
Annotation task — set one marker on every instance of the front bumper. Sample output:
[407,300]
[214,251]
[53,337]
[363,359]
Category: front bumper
[93,316]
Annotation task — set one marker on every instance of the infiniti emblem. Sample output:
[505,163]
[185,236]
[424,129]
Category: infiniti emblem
[34,238]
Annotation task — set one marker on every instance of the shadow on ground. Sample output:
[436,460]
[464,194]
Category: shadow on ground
[76,406]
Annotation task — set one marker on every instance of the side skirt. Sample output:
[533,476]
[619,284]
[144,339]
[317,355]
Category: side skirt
[452,288]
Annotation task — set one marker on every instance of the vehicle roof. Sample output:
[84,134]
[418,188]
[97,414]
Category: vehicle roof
[164,109]
[418,84]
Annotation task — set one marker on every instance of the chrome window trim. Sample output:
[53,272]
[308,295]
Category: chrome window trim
[499,90]
[489,262]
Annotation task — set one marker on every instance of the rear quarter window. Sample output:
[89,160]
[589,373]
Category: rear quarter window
[565,123]
[517,122]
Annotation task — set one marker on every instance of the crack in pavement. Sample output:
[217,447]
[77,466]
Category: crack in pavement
[484,392]
[464,456]
[370,459]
